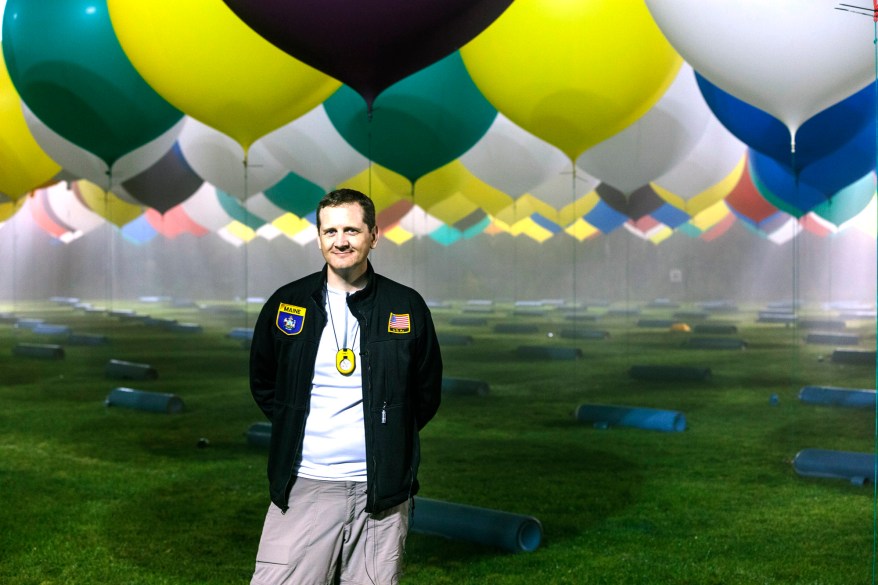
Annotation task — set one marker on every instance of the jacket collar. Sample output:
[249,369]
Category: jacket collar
[361,295]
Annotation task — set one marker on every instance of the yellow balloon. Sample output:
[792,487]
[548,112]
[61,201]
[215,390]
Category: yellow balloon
[205,61]
[488,198]
[440,184]
[573,72]
[384,186]
[10,208]
[105,204]
[23,164]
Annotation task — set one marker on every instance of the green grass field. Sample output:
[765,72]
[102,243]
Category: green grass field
[107,495]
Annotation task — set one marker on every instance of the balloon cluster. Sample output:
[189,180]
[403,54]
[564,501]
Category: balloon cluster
[533,116]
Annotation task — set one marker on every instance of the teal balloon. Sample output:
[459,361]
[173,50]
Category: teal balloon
[68,67]
[418,124]
[233,207]
[849,202]
[295,194]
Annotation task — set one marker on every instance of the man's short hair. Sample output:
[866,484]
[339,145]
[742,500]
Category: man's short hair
[346,197]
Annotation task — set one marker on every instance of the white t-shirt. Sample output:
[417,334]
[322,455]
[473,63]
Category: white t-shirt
[334,447]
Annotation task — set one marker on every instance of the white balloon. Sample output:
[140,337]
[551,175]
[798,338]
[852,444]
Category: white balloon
[513,160]
[71,210]
[419,222]
[654,144]
[311,147]
[790,58]
[205,210]
[712,159]
[85,165]
[219,159]
[260,205]
[563,188]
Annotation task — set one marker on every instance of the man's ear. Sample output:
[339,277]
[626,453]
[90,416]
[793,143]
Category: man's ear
[374,237]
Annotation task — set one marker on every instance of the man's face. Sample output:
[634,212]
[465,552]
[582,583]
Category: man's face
[344,238]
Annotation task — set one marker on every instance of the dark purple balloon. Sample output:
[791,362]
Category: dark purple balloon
[168,182]
[368,45]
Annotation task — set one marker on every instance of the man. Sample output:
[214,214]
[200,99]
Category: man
[346,365]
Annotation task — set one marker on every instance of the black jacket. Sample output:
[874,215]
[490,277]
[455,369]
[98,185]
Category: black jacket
[402,379]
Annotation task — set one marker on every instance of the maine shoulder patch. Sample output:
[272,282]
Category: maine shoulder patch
[399,323]
[290,319]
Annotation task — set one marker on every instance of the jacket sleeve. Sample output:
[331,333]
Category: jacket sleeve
[429,374]
[263,363]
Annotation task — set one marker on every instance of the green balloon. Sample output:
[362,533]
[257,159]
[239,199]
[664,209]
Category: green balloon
[418,124]
[69,69]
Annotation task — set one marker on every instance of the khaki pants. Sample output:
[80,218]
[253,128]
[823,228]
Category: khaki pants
[325,537]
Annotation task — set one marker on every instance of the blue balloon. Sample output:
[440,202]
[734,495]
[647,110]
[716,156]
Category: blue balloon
[819,136]
[798,193]
[780,187]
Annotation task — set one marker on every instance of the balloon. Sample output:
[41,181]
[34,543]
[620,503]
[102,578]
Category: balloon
[635,205]
[138,230]
[24,166]
[813,223]
[295,195]
[707,174]
[212,66]
[384,186]
[165,184]
[820,135]
[312,148]
[106,204]
[655,143]
[70,209]
[522,208]
[239,213]
[368,45]
[453,208]
[204,208]
[849,202]
[439,185]
[174,223]
[600,214]
[84,165]
[10,208]
[484,195]
[421,123]
[45,218]
[797,193]
[512,159]
[746,202]
[219,160]
[68,67]
[418,222]
[262,206]
[789,58]
[709,223]
[572,73]
[565,188]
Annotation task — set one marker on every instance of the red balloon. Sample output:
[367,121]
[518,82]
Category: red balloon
[368,45]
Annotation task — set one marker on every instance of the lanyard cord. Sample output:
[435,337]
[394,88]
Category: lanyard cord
[332,321]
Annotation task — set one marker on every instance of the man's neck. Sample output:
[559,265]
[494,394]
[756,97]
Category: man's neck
[347,281]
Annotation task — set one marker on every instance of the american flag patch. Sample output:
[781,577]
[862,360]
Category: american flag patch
[399,323]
